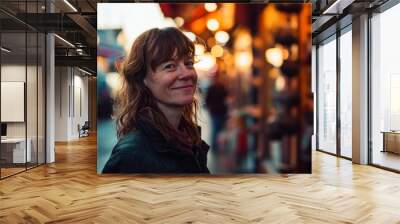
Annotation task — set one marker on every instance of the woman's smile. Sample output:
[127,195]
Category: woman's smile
[186,88]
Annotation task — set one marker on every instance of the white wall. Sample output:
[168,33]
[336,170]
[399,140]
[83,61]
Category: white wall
[61,103]
[71,93]
[12,73]
[80,104]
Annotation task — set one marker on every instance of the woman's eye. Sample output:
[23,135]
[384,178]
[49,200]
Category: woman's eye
[189,64]
[169,66]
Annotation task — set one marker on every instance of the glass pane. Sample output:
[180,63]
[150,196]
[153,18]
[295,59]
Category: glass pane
[41,99]
[327,97]
[346,94]
[313,80]
[13,85]
[31,97]
[385,86]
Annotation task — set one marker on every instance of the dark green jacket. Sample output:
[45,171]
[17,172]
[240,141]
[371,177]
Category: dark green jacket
[146,151]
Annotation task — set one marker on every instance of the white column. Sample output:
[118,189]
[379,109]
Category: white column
[360,90]
[50,99]
[50,92]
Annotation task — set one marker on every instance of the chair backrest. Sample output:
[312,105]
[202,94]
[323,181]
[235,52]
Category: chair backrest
[86,125]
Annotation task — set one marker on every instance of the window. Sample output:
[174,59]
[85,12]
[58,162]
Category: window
[385,89]
[346,93]
[327,96]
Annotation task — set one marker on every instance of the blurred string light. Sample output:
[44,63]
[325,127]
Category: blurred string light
[243,60]
[217,51]
[274,56]
[190,35]
[210,7]
[212,24]
[179,21]
[222,37]
[285,53]
[274,73]
[280,83]
[243,41]
[206,62]
[294,49]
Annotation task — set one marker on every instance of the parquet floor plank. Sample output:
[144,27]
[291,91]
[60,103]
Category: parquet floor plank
[70,191]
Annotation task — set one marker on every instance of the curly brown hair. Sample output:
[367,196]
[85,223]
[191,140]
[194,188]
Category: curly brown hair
[149,50]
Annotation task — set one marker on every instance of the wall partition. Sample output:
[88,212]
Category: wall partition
[22,92]
[13,86]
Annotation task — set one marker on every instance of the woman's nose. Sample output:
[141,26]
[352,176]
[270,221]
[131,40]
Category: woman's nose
[185,71]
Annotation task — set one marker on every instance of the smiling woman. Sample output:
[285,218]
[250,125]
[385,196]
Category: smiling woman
[156,108]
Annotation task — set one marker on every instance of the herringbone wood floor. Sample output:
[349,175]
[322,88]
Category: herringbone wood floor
[70,191]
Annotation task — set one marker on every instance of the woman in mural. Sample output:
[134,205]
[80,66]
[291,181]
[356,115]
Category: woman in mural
[156,108]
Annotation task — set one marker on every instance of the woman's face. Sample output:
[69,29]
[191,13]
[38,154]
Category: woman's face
[173,83]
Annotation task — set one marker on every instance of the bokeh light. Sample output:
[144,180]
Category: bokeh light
[212,24]
[217,51]
[280,83]
[206,62]
[199,49]
[274,56]
[179,21]
[210,7]
[190,35]
[243,60]
[222,37]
